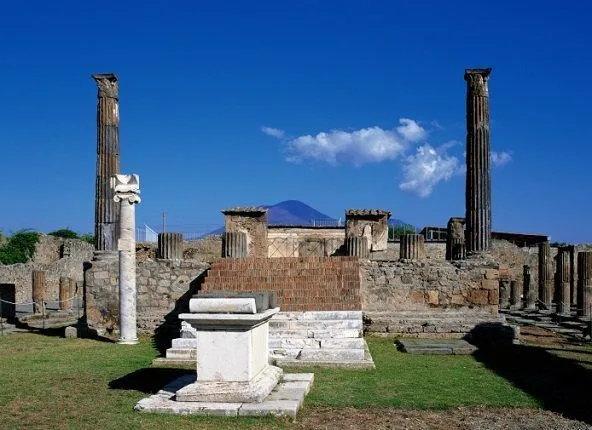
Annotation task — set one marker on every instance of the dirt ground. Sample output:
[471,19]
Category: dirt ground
[460,418]
[468,418]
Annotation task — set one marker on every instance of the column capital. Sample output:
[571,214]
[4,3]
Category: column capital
[477,81]
[126,187]
[108,86]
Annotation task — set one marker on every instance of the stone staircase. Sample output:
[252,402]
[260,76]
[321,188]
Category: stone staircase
[320,320]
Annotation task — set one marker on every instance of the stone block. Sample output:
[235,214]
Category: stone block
[433,297]
[493,297]
[457,299]
[223,305]
[71,332]
[490,284]
[417,297]
[492,274]
[479,297]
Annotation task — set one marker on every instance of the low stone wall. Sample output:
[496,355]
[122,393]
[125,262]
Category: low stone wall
[164,289]
[433,251]
[57,257]
[415,297]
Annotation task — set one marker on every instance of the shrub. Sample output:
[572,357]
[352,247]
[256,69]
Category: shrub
[19,247]
[65,233]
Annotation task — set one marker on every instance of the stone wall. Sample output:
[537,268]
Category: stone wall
[304,242]
[204,250]
[164,289]
[57,257]
[433,251]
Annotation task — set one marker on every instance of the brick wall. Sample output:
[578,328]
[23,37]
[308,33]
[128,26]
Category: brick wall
[302,284]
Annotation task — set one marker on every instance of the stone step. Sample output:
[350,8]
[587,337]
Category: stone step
[340,324]
[314,334]
[318,315]
[334,354]
[291,343]
[181,354]
[184,343]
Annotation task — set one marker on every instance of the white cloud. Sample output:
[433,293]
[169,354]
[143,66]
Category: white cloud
[273,132]
[422,171]
[358,147]
[411,130]
[500,158]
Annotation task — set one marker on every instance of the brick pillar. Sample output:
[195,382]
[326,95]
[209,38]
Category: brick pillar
[529,292]
[357,247]
[455,239]
[411,247]
[478,183]
[64,294]
[170,246]
[253,222]
[369,223]
[106,209]
[545,274]
[38,290]
[584,283]
[234,244]
[563,284]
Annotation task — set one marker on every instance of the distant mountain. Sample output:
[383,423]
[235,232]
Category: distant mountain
[294,212]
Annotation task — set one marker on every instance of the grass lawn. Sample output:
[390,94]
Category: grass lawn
[50,382]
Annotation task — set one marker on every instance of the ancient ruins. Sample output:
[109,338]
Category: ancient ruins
[332,285]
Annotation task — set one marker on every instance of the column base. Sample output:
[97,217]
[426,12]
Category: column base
[122,341]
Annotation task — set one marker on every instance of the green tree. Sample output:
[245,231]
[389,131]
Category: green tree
[65,233]
[19,247]
[396,231]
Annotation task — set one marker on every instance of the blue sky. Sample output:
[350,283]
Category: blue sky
[338,104]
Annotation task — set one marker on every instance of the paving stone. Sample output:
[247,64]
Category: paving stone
[287,408]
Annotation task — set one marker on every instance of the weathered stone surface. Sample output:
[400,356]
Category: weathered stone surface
[235,244]
[545,274]
[223,305]
[39,295]
[478,183]
[106,208]
[455,239]
[253,222]
[170,246]
[563,281]
[70,332]
[412,247]
[357,247]
[585,283]
[529,291]
[369,223]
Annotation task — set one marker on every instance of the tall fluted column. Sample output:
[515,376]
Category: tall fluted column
[411,247]
[545,275]
[478,183]
[38,290]
[455,239]
[170,246]
[106,209]
[584,283]
[563,285]
[127,190]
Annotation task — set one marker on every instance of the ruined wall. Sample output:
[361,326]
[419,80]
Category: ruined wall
[433,251]
[204,250]
[164,289]
[304,242]
[254,224]
[57,257]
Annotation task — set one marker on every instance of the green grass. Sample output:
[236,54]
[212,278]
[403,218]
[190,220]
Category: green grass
[50,382]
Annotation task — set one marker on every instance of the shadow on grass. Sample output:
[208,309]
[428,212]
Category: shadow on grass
[148,380]
[560,384]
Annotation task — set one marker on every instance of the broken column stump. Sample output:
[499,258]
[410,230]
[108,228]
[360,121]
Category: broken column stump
[170,246]
[411,247]
[585,283]
[38,291]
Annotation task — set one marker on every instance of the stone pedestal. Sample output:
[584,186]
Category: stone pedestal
[369,223]
[232,357]
[357,247]
[478,183]
[106,209]
[585,283]
[170,246]
[455,239]
[234,244]
[411,247]
[127,190]
[563,282]
[251,221]
[515,290]
[38,279]
[529,292]
[545,275]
